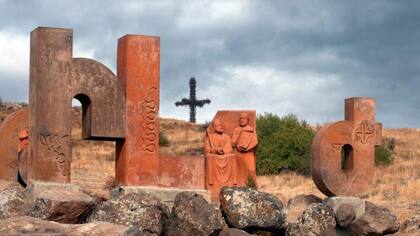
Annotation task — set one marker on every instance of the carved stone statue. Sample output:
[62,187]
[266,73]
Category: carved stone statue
[23,156]
[221,163]
[245,141]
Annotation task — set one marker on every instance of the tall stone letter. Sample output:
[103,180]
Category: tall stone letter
[55,79]
[343,153]
[138,70]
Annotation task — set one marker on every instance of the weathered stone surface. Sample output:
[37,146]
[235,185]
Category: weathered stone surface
[376,220]
[55,79]
[410,226]
[138,69]
[247,208]
[26,225]
[222,164]
[357,204]
[102,229]
[139,210]
[165,195]
[66,204]
[318,220]
[12,200]
[4,184]
[297,205]
[299,230]
[344,215]
[356,136]
[193,215]
[233,232]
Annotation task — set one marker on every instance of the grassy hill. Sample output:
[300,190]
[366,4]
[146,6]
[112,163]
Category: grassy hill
[396,186]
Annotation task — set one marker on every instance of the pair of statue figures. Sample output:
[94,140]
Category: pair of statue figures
[230,160]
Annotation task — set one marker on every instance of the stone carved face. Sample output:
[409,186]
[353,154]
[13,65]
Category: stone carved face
[217,124]
[244,119]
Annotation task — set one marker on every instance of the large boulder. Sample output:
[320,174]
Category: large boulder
[193,215]
[297,205]
[4,184]
[12,200]
[140,210]
[344,215]
[376,220]
[247,208]
[101,229]
[60,203]
[357,204]
[26,225]
[317,220]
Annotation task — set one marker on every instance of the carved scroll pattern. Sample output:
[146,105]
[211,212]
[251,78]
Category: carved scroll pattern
[150,108]
[56,144]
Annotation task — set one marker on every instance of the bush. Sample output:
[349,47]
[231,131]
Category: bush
[382,156]
[163,140]
[390,144]
[284,144]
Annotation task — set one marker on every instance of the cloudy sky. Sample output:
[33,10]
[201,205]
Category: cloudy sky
[301,57]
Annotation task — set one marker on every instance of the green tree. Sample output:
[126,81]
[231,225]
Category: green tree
[284,144]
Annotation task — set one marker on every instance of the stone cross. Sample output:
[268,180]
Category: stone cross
[343,153]
[192,102]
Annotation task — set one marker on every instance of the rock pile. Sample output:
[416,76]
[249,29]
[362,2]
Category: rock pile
[243,211]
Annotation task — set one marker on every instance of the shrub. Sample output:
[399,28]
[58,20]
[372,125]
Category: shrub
[382,156]
[390,144]
[163,140]
[284,144]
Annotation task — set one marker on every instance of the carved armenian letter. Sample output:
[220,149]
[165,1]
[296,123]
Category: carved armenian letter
[343,153]
[138,70]
[55,79]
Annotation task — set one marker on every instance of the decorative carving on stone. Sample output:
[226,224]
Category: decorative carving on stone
[55,79]
[56,144]
[343,153]
[222,166]
[229,147]
[138,70]
[365,131]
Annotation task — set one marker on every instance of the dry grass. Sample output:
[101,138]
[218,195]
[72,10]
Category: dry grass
[185,138]
[93,164]
[396,186]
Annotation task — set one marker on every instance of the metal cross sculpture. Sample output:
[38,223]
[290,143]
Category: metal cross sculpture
[192,102]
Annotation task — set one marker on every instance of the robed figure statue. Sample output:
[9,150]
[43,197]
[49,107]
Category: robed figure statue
[245,141]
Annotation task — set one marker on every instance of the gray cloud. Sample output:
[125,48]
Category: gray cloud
[276,56]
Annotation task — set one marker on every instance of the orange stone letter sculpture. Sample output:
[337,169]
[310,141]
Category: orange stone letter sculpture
[138,70]
[343,153]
